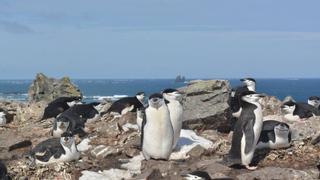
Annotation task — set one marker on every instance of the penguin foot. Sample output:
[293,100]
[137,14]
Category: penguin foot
[251,168]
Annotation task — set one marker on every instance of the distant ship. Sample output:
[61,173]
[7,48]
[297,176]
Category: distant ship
[180,79]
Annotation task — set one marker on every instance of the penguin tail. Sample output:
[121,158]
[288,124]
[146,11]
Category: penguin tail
[19,145]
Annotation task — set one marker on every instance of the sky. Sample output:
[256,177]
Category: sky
[160,38]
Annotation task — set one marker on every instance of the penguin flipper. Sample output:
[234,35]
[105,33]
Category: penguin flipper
[144,122]
[249,135]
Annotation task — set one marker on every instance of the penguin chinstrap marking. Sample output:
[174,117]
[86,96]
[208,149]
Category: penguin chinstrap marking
[55,150]
[173,97]
[294,111]
[58,106]
[69,121]
[314,101]
[127,104]
[157,132]
[235,101]
[274,135]
[247,129]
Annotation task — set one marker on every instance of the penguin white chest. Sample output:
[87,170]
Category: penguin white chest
[70,155]
[58,132]
[3,119]
[158,133]
[176,112]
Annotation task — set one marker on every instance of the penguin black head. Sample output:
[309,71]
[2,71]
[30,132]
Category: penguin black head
[140,96]
[171,94]
[250,83]
[61,125]
[251,96]
[156,100]
[289,107]
[248,79]
[282,130]
[67,139]
[314,101]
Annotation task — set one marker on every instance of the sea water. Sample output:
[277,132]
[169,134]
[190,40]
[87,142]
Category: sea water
[98,89]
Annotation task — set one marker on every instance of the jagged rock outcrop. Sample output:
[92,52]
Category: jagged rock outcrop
[48,89]
[205,104]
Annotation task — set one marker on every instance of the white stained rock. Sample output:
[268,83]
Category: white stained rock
[110,174]
[134,164]
[188,140]
[84,145]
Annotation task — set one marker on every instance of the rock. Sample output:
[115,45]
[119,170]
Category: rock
[305,129]
[106,175]
[205,104]
[287,99]
[277,173]
[197,151]
[30,111]
[150,175]
[271,106]
[102,151]
[48,89]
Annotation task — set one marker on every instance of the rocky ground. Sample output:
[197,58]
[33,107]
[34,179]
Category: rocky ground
[111,149]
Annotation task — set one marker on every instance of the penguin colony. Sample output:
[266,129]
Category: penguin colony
[160,123]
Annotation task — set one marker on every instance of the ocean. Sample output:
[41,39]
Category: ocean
[95,90]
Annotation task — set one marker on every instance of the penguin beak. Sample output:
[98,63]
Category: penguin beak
[242,80]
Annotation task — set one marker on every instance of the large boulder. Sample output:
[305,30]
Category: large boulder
[48,89]
[205,104]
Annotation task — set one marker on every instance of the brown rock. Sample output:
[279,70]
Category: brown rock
[48,89]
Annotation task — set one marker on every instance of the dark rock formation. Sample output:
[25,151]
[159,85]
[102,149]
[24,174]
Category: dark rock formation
[48,89]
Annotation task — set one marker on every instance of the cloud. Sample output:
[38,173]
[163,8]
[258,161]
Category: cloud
[15,28]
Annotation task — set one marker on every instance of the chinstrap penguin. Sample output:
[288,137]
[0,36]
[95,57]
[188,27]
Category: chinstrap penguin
[55,150]
[294,111]
[247,129]
[274,135]
[157,132]
[58,106]
[234,100]
[69,122]
[127,104]
[314,101]
[176,111]
[85,111]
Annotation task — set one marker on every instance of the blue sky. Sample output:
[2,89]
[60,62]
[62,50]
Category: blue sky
[159,38]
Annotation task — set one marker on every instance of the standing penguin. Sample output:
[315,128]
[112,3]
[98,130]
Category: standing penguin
[235,101]
[55,150]
[274,135]
[157,132]
[247,129]
[176,112]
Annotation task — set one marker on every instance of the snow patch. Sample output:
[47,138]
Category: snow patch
[84,145]
[188,140]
